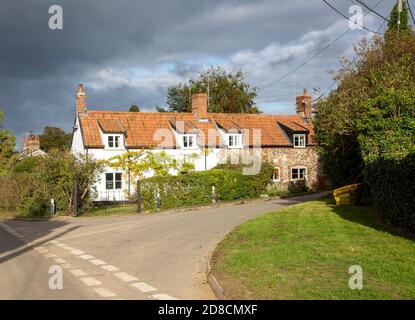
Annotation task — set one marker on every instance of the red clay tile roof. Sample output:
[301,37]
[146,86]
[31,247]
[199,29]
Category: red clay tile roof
[228,125]
[150,129]
[111,125]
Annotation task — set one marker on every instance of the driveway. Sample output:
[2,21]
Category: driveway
[150,256]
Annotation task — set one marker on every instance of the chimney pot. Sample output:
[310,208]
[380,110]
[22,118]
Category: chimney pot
[199,105]
[80,100]
[304,106]
[31,143]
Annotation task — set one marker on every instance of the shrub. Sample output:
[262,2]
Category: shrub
[195,188]
[28,188]
[24,193]
[393,189]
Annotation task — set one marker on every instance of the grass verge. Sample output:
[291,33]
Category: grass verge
[305,251]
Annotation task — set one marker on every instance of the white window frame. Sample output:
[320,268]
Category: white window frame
[189,141]
[236,140]
[116,141]
[298,173]
[114,181]
[297,137]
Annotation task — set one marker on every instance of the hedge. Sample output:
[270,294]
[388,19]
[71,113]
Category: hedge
[392,184]
[195,188]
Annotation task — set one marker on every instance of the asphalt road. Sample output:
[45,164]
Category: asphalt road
[151,256]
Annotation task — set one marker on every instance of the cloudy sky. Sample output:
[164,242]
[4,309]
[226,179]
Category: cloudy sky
[129,51]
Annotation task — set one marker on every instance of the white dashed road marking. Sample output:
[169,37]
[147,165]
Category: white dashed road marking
[77,252]
[163,296]
[97,262]
[110,268]
[105,293]
[124,276]
[90,282]
[78,273]
[144,287]
[87,257]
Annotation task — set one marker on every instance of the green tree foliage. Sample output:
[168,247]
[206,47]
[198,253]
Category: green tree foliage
[365,129]
[28,188]
[55,138]
[381,67]
[7,144]
[134,108]
[387,128]
[228,92]
[137,163]
[395,17]
[160,109]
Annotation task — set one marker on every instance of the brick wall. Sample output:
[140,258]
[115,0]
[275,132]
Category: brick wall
[287,158]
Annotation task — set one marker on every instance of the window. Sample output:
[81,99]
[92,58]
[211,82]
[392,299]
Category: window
[113,180]
[118,180]
[188,141]
[234,140]
[113,141]
[276,174]
[298,173]
[299,141]
[109,181]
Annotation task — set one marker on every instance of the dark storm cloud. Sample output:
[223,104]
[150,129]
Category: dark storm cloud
[129,51]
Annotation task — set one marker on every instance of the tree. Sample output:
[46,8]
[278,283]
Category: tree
[228,92]
[7,144]
[136,163]
[371,88]
[399,21]
[160,109]
[55,138]
[61,170]
[134,108]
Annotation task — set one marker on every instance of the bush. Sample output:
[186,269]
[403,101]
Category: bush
[24,193]
[28,188]
[393,189]
[195,188]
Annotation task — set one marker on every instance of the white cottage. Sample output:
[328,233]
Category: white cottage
[205,138]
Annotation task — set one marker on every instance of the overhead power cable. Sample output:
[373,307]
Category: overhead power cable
[336,81]
[410,11]
[344,16]
[311,58]
[372,10]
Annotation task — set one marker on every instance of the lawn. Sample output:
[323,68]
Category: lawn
[305,251]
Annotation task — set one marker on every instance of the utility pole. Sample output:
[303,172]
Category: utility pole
[399,14]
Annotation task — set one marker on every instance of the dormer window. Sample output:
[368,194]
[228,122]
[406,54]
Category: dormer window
[188,141]
[234,140]
[299,141]
[114,142]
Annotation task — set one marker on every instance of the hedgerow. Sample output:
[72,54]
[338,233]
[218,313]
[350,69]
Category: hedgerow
[195,188]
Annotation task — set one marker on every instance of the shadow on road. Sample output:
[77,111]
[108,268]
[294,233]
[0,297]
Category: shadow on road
[11,246]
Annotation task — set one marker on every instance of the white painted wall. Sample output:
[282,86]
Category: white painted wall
[201,162]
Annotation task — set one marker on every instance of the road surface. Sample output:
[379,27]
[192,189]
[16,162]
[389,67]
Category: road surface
[151,256]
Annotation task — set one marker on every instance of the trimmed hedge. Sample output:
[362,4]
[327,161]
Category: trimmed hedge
[392,184]
[195,188]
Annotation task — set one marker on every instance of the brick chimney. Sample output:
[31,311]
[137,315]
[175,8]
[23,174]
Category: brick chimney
[304,106]
[80,101]
[31,143]
[199,105]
